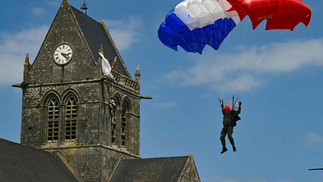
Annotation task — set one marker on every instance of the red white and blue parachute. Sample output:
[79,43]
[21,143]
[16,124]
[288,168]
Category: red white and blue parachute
[196,23]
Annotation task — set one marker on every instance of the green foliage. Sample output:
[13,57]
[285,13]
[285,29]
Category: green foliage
[24,85]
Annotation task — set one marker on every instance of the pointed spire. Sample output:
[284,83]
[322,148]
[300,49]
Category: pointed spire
[101,49]
[115,59]
[137,74]
[27,64]
[115,66]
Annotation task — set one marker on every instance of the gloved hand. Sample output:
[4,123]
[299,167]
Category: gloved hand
[240,103]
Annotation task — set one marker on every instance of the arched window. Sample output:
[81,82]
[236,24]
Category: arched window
[53,118]
[70,117]
[114,116]
[125,109]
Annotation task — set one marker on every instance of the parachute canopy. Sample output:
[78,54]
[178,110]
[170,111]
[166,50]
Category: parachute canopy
[195,23]
[280,14]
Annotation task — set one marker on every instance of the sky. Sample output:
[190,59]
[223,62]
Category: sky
[277,75]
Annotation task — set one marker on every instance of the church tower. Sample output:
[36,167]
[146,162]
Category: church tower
[71,108]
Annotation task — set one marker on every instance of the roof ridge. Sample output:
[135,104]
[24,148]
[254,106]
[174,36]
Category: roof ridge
[22,145]
[85,14]
[157,158]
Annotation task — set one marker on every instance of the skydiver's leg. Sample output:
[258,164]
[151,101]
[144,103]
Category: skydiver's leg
[222,138]
[230,132]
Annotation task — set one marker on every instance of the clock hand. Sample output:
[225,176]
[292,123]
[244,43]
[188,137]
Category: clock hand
[66,56]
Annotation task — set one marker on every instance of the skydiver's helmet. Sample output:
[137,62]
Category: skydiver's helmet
[227,108]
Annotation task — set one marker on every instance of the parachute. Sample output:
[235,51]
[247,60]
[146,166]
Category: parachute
[196,23]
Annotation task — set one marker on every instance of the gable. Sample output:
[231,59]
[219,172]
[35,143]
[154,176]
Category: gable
[21,163]
[85,36]
[64,30]
[189,173]
[152,169]
[96,34]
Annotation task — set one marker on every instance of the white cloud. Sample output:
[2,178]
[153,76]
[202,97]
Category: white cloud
[53,3]
[13,50]
[242,70]
[125,32]
[38,11]
[313,138]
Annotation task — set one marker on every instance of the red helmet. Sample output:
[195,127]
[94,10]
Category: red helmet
[227,108]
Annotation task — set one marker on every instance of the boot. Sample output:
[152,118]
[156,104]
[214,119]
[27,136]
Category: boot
[224,150]
[234,148]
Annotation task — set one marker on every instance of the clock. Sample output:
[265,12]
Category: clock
[63,54]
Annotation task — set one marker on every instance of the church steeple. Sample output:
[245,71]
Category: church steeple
[66,106]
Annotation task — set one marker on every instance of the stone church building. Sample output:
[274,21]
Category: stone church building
[79,124]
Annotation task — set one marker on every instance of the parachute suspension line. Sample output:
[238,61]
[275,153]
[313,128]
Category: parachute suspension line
[219,86]
[246,80]
[273,47]
[226,47]
[272,52]
[245,32]
[212,87]
[237,81]
[210,73]
[244,35]
[234,65]
[280,47]
[214,90]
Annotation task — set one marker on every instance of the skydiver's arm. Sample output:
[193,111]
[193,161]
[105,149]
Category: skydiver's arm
[239,109]
[222,109]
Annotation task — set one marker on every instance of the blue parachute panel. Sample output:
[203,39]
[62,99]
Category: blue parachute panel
[173,32]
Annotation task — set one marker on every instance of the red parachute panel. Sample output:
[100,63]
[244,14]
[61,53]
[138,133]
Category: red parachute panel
[280,14]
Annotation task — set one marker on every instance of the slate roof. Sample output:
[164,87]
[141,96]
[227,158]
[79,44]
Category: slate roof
[151,169]
[19,163]
[95,35]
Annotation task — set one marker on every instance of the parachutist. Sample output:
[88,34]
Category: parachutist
[230,117]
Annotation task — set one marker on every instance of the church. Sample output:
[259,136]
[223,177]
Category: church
[78,123]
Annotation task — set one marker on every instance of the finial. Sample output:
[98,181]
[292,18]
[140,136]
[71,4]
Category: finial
[101,49]
[84,8]
[137,67]
[115,59]
[27,64]
[27,59]
[137,71]
[137,74]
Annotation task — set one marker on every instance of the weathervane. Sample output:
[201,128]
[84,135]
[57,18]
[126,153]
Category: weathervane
[84,8]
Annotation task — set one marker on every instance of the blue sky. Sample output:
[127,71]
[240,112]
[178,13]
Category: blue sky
[280,135]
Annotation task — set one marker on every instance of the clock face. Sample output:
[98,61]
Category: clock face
[63,54]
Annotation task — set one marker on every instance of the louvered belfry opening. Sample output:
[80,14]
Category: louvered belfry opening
[125,109]
[53,119]
[70,117]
